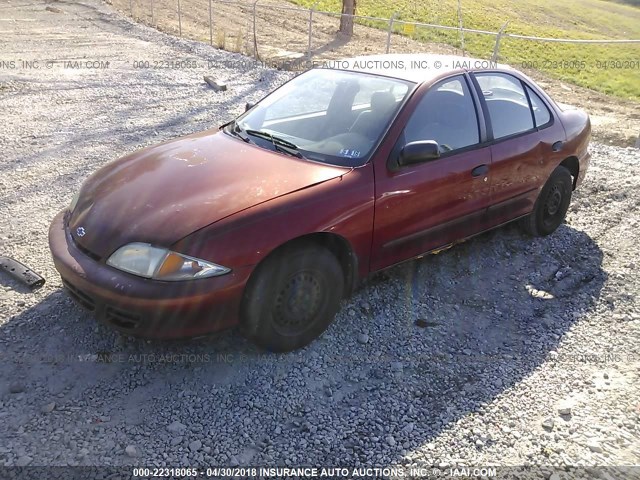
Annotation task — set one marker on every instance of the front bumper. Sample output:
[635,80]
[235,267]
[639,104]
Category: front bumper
[144,307]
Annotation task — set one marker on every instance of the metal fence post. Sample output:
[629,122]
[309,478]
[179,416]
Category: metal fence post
[179,18]
[313,7]
[496,47]
[460,25]
[210,25]
[393,17]
[255,35]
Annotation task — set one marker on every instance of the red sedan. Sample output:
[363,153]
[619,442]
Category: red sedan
[270,221]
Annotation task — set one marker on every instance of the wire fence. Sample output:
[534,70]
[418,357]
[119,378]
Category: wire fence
[246,27]
[289,36]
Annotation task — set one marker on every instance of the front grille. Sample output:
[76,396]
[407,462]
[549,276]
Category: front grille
[121,318]
[79,296]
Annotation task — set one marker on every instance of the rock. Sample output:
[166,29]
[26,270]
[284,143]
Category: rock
[48,408]
[363,338]
[565,408]
[422,323]
[175,441]
[195,445]
[390,440]
[594,446]
[24,461]
[479,443]
[131,451]
[408,428]
[176,427]
[217,85]
[16,387]
[396,366]
[278,430]
[548,423]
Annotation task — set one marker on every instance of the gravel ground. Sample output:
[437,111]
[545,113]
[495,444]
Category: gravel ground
[505,350]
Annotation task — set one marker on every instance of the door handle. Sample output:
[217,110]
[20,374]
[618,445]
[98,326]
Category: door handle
[556,147]
[480,170]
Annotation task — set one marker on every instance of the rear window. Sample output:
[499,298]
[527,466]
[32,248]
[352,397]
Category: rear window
[541,113]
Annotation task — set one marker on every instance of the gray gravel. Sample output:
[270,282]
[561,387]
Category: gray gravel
[505,350]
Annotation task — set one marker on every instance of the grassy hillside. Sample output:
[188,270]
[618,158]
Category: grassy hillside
[612,69]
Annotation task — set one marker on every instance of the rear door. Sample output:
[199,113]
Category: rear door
[518,158]
[424,206]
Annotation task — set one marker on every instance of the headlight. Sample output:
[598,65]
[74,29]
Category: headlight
[147,261]
[74,202]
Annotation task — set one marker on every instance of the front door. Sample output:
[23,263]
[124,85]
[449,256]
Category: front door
[424,206]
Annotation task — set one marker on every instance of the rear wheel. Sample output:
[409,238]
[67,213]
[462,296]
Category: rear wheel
[292,298]
[551,206]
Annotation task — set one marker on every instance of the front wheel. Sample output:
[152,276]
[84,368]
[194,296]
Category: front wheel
[551,206]
[292,298]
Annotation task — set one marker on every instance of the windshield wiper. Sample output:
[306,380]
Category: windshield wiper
[278,143]
[235,129]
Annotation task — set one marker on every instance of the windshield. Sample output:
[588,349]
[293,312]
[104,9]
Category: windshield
[325,115]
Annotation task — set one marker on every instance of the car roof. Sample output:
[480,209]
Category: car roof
[414,67]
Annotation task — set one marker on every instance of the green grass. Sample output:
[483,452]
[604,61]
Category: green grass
[582,64]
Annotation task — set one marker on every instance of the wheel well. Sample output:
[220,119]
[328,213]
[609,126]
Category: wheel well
[337,245]
[572,164]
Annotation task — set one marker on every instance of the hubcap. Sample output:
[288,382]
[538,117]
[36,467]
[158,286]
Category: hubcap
[297,303]
[554,200]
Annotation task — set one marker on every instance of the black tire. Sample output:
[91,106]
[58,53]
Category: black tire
[292,298]
[551,206]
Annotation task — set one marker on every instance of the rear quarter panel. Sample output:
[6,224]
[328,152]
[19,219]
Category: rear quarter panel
[578,130]
[577,126]
[573,125]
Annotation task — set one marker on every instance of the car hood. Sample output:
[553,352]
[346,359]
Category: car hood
[163,193]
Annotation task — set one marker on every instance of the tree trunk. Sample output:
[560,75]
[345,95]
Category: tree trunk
[346,21]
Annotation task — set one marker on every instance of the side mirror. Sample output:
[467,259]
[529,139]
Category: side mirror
[248,106]
[417,152]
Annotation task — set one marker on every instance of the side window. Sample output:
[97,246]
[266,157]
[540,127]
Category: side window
[507,104]
[445,114]
[540,110]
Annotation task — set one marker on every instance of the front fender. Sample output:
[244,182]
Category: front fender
[342,206]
